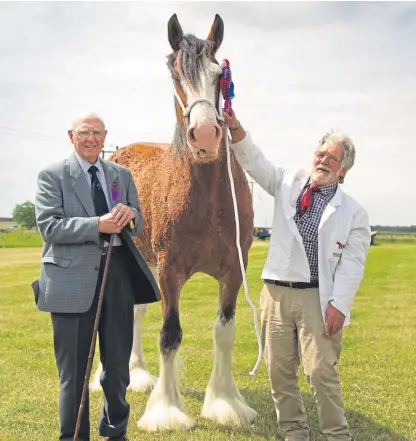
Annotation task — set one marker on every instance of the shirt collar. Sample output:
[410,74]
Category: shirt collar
[85,165]
[326,190]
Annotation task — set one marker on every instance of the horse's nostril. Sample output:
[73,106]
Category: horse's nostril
[192,135]
[202,151]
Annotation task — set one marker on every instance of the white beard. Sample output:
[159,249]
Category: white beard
[324,179]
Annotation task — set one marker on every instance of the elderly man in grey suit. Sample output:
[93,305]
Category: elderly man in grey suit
[80,202]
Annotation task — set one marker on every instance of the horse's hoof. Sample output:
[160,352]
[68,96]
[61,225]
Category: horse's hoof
[141,381]
[163,416]
[228,411]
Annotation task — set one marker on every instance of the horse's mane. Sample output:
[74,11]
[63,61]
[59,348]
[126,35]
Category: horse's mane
[191,55]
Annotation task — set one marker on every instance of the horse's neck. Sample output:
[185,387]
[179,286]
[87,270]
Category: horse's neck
[205,188]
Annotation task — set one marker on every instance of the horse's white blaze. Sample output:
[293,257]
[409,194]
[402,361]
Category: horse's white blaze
[223,402]
[202,113]
[165,407]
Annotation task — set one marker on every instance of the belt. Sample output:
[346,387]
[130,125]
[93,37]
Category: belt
[296,285]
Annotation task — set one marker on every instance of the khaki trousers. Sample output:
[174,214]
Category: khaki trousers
[293,328]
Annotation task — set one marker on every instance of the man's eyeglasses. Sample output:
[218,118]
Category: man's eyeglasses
[321,156]
[86,133]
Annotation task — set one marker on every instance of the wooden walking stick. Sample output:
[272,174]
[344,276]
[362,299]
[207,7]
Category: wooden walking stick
[94,339]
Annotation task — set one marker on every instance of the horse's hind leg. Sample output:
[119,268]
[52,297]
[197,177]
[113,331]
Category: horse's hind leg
[165,408]
[140,379]
[223,402]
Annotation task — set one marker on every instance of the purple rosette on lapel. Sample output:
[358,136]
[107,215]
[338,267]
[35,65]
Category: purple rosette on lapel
[115,191]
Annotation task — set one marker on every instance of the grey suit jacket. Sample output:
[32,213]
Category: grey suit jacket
[71,253]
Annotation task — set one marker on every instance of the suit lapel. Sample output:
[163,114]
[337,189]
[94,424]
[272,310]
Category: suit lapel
[80,185]
[111,177]
[293,191]
[293,187]
[331,207]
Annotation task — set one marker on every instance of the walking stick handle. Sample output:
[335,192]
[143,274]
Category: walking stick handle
[94,339]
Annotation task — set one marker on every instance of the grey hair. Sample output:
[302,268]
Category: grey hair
[349,149]
[84,116]
[191,60]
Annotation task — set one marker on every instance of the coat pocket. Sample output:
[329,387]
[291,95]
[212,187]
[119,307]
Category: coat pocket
[59,261]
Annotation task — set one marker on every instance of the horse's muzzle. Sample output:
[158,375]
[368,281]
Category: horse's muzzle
[204,140]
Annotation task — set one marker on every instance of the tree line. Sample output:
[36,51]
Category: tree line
[397,228]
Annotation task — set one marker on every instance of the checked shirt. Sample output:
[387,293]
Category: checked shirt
[308,223]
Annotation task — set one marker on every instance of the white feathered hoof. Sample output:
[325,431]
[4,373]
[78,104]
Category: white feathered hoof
[227,411]
[141,380]
[95,384]
[165,417]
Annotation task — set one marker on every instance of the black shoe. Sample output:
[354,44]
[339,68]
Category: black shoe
[117,438]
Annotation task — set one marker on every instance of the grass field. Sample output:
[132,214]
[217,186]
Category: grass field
[377,365]
[20,239]
[31,238]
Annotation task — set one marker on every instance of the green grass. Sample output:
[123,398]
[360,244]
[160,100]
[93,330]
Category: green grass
[20,239]
[377,366]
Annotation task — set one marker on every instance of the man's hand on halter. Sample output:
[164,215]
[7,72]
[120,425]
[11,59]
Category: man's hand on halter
[237,131]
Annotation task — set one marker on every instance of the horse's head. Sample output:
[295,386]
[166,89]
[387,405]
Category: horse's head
[196,74]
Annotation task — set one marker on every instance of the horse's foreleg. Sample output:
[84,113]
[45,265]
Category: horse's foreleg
[165,408]
[223,402]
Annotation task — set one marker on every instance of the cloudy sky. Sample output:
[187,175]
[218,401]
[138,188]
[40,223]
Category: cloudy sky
[299,69]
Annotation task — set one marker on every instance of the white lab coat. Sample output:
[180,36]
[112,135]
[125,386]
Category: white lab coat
[343,238]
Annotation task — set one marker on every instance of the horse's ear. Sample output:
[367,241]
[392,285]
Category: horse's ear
[216,34]
[175,33]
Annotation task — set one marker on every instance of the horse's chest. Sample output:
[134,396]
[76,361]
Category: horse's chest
[207,211]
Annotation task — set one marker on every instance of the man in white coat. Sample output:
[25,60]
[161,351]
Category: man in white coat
[313,269]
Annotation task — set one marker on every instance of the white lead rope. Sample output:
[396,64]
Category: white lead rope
[186,112]
[240,255]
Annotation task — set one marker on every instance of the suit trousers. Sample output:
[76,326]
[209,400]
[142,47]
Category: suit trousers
[293,329]
[72,340]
